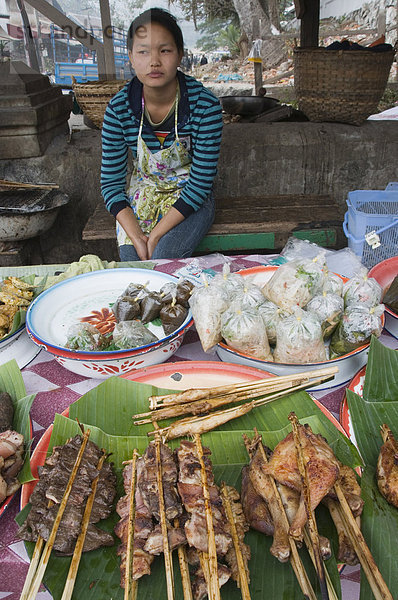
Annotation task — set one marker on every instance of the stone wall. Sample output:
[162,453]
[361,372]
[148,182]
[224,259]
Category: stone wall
[256,159]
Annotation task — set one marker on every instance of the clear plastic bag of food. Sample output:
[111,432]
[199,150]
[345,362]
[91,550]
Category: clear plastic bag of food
[126,308]
[172,316]
[207,302]
[271,314]
[329,310]
[299,339]
[231,283]
[333,283]
[362,289]
[358,324]
[244,330]
[86,337]
[131,334]
[295,282]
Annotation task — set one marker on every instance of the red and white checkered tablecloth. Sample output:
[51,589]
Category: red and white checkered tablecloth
[56,388]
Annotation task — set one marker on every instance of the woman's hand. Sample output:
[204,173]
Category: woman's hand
[128,221]
[172,218]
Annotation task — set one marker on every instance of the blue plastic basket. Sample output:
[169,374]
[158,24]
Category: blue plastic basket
[372,211]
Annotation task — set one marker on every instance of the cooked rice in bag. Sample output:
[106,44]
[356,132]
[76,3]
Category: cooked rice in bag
[85,337]
[131,334]
[250,297]
[333,284]
[244,330]
[271,314]
[362,289]
[207,302]
[329,310]
[357,325]
[231,283]
[299,339]
[295,283]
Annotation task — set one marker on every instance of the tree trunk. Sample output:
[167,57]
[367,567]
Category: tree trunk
[255,21]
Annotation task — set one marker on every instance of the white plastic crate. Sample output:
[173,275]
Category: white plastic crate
[371,224]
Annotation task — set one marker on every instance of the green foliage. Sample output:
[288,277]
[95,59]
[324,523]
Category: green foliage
[229,37]
[218,33]
[205,10]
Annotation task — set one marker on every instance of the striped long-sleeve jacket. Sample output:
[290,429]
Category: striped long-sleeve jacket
[199,123]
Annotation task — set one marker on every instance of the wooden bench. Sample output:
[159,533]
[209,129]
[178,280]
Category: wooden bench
[251,223]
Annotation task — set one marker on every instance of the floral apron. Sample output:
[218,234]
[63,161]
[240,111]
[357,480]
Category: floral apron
[157,180]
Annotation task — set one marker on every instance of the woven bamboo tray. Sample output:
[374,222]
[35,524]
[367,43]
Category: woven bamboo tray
[93,97]
[340,85]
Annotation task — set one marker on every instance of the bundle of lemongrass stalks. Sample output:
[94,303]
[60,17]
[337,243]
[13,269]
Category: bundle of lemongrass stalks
[311,536]
[203,403]
[208,560]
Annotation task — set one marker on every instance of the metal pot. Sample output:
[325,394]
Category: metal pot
[247,105]
[25,214]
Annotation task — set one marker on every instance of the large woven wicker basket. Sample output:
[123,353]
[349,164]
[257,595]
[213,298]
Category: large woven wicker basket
[93,97]
[340,85]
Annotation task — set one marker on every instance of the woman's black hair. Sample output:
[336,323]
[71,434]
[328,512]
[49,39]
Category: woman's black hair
[156,15]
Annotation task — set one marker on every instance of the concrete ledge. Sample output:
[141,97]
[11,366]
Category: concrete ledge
[256,159]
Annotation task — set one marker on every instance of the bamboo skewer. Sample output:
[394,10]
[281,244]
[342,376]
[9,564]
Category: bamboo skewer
[373,575]
[32,567]
[42,564]
[130,585]
[166,549]
[243,583]
[193,425]
[192,395]
[32,186]
[329,583]
[72,573]
[184,569]
[295,560]
[313,530]
[213,582]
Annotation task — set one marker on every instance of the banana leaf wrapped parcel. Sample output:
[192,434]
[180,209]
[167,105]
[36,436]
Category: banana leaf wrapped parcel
[243,329]
[391,295]
[299,339]
[357,325]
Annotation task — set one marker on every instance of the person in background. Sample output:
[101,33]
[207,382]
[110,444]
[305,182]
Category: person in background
[173,125]
[203,60]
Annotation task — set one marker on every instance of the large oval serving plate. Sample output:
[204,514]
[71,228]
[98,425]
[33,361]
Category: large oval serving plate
[89,297]
[356,386]
[384,273]
[195,374]
[347,364]
[204,372]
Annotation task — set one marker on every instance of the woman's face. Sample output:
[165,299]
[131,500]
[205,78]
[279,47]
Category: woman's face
[154,55]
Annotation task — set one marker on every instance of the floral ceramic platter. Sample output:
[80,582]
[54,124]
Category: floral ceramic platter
[89,298]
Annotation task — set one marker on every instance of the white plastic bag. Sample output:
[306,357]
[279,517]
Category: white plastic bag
[299,339]
[244,330]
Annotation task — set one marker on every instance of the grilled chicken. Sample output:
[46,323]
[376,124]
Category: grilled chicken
[346,553]
[387,466]
[263,486]
[254,506]
[322,470]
